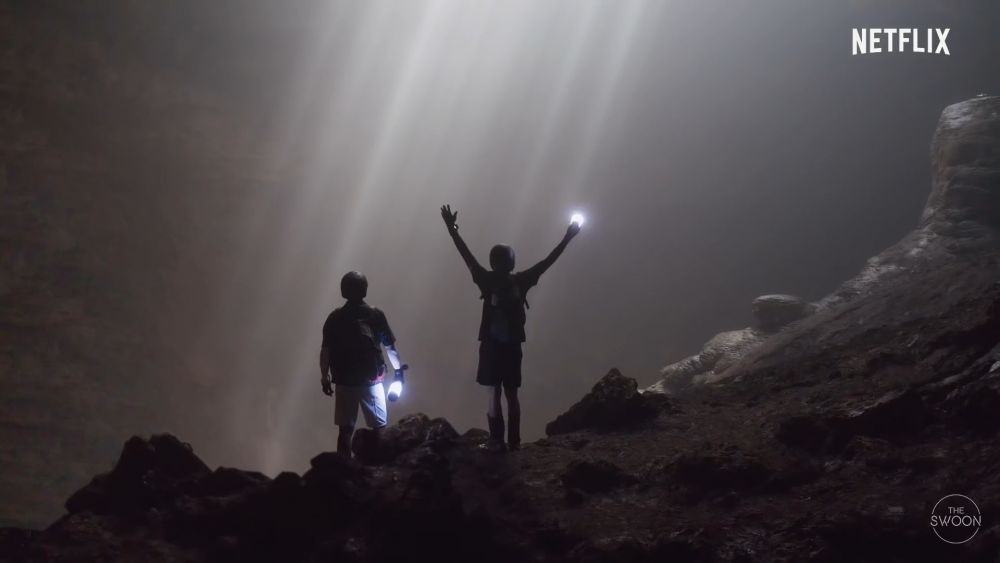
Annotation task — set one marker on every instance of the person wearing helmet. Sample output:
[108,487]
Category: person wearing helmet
[351,362]
[501,330]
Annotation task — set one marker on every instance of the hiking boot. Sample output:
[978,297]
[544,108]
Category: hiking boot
[513,432]
[496,428]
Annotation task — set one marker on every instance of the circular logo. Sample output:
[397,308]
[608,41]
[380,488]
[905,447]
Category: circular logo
[956,519]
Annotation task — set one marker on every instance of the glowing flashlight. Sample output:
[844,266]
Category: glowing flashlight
[577,219]
[395,390]
[396,387]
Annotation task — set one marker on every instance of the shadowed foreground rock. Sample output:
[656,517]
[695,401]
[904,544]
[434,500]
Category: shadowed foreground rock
[411,431]
[613,403]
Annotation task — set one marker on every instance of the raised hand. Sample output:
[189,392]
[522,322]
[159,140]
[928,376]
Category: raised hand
[448,216]
[572,231]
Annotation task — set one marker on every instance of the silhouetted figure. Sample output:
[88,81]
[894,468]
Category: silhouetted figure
[501,330]
[351,358]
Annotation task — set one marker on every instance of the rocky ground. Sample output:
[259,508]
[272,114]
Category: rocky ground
[831,441]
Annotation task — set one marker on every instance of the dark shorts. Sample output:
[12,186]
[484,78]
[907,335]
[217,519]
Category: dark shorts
[499,364]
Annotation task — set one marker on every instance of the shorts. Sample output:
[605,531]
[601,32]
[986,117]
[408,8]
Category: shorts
[499,364]
[371,399]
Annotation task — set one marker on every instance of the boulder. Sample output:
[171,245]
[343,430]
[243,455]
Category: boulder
[613,403]
[147,473]
[411,431]
[226,481]
[336,478]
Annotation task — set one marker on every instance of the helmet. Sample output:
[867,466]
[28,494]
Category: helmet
[354,286]
[502,258]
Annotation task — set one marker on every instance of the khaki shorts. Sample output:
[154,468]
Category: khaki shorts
[371,399]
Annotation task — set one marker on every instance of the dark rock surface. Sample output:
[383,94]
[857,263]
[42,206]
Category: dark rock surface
[595,476]
[411,431]
[774,312]
[613,404]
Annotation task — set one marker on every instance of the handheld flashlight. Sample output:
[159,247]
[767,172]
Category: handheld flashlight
[395,390]
[396,387]
[577,218]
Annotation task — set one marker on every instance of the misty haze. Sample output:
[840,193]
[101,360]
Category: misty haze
[184,184]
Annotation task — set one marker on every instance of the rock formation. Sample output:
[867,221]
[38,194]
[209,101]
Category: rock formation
[959,222]
[771,312]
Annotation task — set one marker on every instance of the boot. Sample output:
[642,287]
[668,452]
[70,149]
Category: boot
[495,441]
[513,431]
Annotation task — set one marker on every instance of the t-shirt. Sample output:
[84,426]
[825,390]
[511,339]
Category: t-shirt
[504,299]
[339,322]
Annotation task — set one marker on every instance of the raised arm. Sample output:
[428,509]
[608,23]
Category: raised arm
[450,219]
[538,269]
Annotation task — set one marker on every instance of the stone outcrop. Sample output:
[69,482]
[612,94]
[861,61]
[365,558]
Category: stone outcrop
[411,431]
[613,404]
[961,219]
[962,213]
[771,313]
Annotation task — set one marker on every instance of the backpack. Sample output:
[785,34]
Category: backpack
[506,306]
[356,358]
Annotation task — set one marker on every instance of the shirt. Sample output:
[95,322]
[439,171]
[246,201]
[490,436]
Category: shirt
[371,316]
[504,322]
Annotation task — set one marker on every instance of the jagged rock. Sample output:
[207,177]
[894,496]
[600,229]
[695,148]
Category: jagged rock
[613,403]
[279,521]
[966,161]
[962,213]
[595,476]
[411,431]
[226,481]
[772,313]
[337,479]
[147,472]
